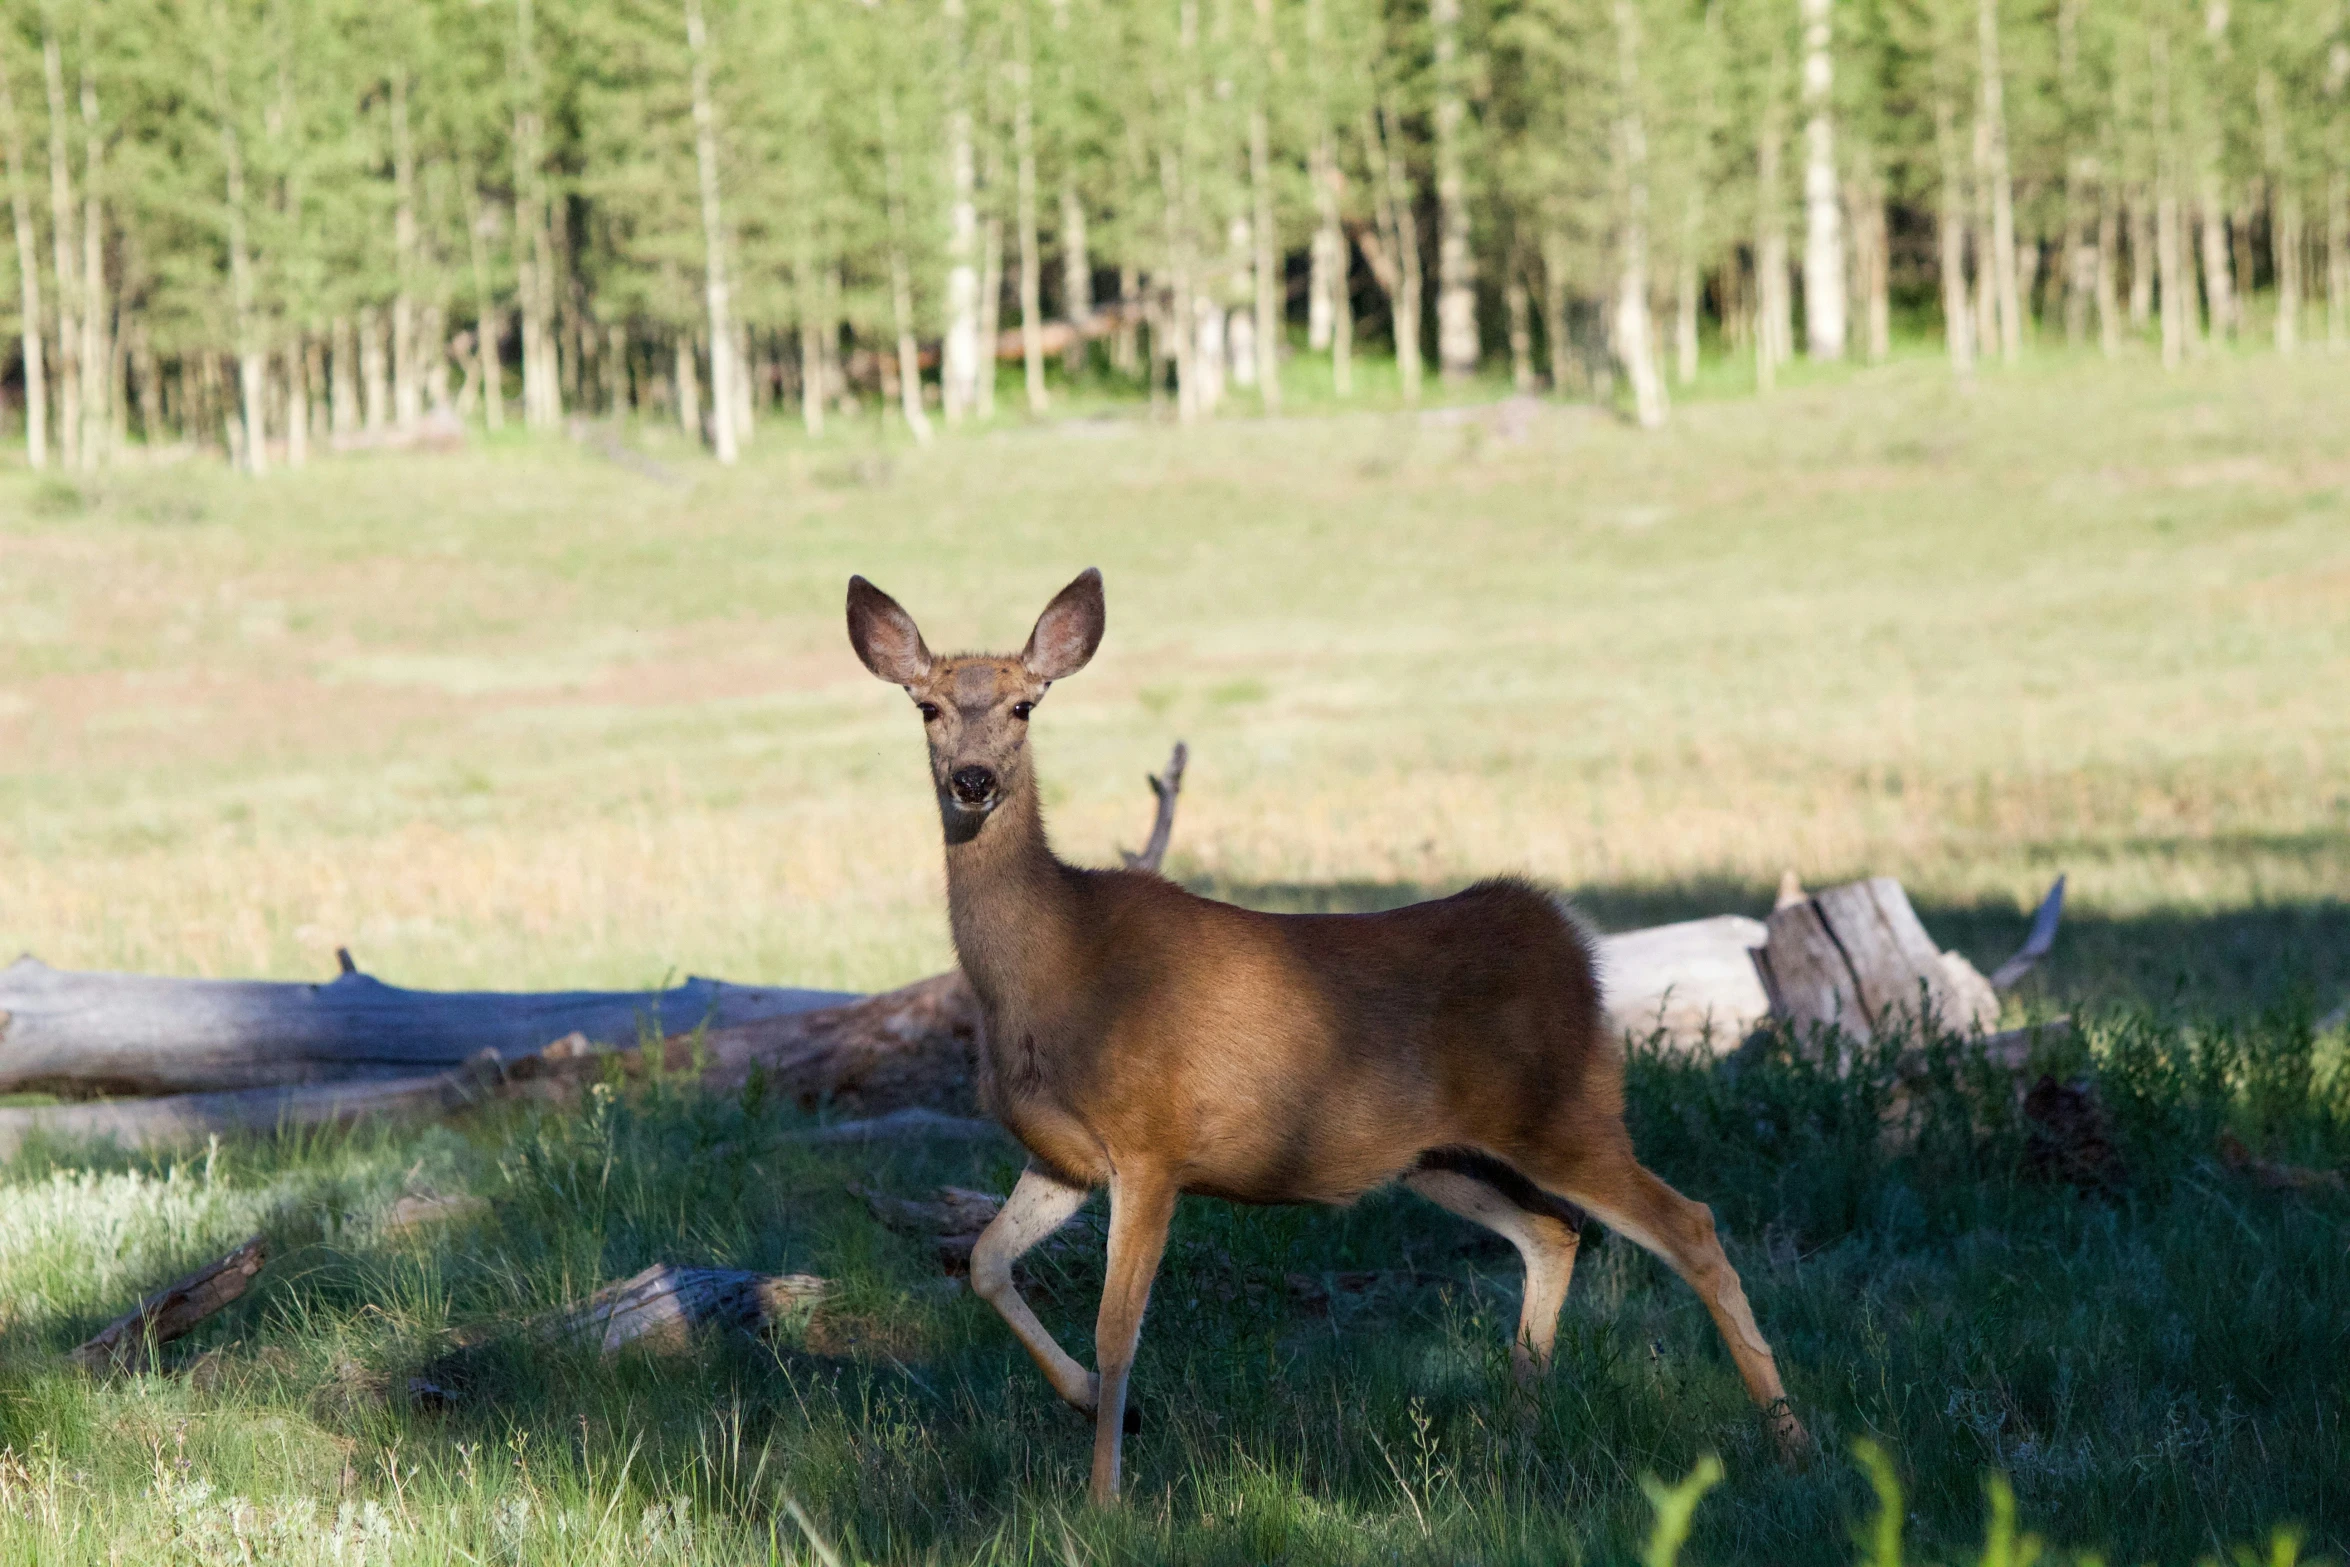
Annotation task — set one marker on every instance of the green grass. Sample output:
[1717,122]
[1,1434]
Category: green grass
[524,717]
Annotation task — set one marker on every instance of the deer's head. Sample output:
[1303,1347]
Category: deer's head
[975,706]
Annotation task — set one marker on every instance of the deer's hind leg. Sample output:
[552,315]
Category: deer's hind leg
[1545,1230]
[1038,1206]
[1630,1200]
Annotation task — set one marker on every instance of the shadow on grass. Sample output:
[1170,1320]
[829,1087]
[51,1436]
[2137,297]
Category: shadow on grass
[2278,957]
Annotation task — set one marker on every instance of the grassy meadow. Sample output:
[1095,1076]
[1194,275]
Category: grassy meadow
[527,717]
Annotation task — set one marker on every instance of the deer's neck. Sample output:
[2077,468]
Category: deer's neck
[1011,904]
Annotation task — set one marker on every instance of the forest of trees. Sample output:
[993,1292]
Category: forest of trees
[263,226]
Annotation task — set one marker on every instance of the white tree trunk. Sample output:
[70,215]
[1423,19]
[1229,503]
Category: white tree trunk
[1517,300]
[2338,258]
[1774,334]
[724,372]
[1634,342]
[901,278]
[1958,318]
[1265,257]
[407,371]
[991,310]
[97,345]
[959,367]
[68,269]
[1402,227]
[2219,292]
[488,324]
[1024,219]
[297,401]
[2169,249]
[534,250]
[1823,234]
[374,368]
[1456,261]
[2002,184]
[28,277]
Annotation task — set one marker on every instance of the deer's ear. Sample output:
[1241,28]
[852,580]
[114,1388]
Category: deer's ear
[1068,631]
[885,636]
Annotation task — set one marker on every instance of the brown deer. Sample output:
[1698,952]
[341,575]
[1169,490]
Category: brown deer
[1142,1038]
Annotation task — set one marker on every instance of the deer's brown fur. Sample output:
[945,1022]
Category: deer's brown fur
[1155,1042]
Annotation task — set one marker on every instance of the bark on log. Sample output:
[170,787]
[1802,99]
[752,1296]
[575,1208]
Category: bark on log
[1691,985]
[663,1307]
[173,1310]
[180,1119]
[93,1033]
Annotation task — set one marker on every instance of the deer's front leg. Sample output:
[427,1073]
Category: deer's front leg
[1038,1206]
[1142,1203]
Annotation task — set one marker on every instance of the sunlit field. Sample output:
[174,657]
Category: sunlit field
[525,716]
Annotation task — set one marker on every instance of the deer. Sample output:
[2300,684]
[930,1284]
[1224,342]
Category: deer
[1139,1037]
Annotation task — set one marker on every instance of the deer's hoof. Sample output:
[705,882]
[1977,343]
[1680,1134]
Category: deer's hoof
[1793,1442]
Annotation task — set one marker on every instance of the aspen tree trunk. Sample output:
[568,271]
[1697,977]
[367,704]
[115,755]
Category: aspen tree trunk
[1076,259]
[343,384]
[1265,241]
[1635,346]
[1175,330]
[2142,263]
[2169,250]
[1024,215]
[534,251]
[1404,231]
[28,277]
[1872,255]
[67,270]
[901,279]
[716,295]
[1327,300]
[2338,258]
[1958,320]
[2284,198]
[813,390]
[2219,293]
[1979,243]
[488,319]
[1774,337]
[1520,305]
[374,367]
[2109,325]
[1994,113]
[1823,238]
[1554,311]
[991,308]
[1456,262]
[959,367]
[1688,301]
[97,354]
[297,401]
[407,374]
[252,366]
[689,386]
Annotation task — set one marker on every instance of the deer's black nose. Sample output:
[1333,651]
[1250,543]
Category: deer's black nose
[973,785]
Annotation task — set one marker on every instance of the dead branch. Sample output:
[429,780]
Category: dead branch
[173,1310]
[2036,944]
[1166,786]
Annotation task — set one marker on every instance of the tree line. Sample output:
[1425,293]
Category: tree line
[268,225]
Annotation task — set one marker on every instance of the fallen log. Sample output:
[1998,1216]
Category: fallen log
[83,1034]
[177,1120]
[663,1307]
[173,1310]
[1690,986]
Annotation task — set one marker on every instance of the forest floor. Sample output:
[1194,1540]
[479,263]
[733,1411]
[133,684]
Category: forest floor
[525,716]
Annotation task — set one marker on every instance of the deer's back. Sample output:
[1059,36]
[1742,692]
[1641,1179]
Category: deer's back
[1280,1058]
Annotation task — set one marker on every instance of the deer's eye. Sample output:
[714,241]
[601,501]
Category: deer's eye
[1021,710]
[929,711]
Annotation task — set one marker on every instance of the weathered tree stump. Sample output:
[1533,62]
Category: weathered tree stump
[1856,959]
